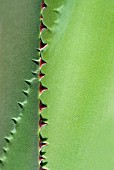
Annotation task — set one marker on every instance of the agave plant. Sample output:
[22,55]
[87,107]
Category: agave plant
[64,120]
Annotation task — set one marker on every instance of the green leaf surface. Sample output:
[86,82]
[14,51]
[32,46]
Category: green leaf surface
[80,80]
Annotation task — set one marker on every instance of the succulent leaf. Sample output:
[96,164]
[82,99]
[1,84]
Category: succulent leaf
[80,80]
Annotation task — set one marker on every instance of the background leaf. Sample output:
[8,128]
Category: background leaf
[19,26]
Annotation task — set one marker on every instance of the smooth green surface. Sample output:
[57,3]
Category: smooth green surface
[19,29]
[80,81]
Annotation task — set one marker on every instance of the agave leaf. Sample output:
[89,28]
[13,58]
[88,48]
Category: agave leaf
[19,23]
[80,80]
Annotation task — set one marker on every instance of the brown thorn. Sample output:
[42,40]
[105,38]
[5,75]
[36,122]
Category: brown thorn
[43,5]
[42,144]
[42,26]
[42,106]
[41,75]
[42,45]
[42,62]
[42,122]
[42,88]
[41,158]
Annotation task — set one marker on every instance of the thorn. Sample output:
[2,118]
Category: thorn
[8,139]
[5,149]
[41,158]
[42,122]
[21,105]
[28,82]
[41,75]
[41,17]
[42,26]
[42,153]
[26,92]
[42,88]
[35,72]
[38,49]
[42,45]
[42,106]
[43,5]
[42,62]
[43,163]
[58,10]
[35,61]
[13,131]
[43,139]
[16,119]
[3,159]
[42,144]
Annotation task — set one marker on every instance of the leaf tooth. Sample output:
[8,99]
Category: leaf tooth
[8,139]
[35,61]
[42,88]
[13,131]
[42,122]
[41,75]
[5,149]
[41,17]
[43,5]
[42,45]
[29,82]
[26,92]
[21,105]
[42,62]
[42,26]
[43,139]
[38,49]
[35,72]
[42,142]
[43,163]
[58,10]
[16,120]
[42,106]
[3,159]
[41,158]
[42,153]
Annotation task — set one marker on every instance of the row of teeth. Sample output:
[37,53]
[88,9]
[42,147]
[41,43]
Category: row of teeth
[17,120]
[42,121]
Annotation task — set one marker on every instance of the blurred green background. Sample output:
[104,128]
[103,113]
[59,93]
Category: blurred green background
[19,23]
